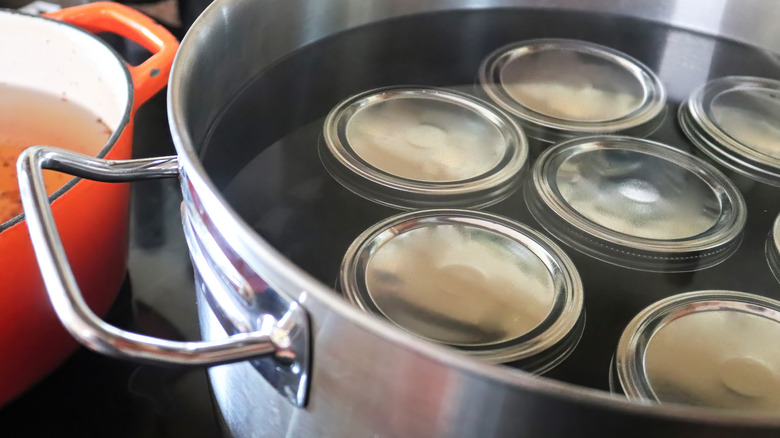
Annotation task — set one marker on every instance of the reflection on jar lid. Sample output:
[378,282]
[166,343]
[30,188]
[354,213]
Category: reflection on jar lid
[414,147]
[564,88]
[773,248]
[736,121]
[712,348]
[636,203]
[486,285]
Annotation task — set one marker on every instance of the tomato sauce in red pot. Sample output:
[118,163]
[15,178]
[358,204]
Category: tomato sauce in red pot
[28,118]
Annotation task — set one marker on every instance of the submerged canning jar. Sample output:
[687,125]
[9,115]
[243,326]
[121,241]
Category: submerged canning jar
[773,248]
[715,349]
[735,120]
[417,147]
[637,204]
[483,284]
[559,89]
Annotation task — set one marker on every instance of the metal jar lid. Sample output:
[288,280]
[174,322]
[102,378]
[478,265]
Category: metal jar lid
[481,283]
[736,121]
[415,147]
[712,348]
[562,88]
[636,203]
[773,248]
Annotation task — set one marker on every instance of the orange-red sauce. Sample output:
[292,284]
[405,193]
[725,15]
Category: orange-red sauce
[29,117]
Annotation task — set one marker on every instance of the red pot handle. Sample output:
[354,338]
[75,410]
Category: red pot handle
[150,76]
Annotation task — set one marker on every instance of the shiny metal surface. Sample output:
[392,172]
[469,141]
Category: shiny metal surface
[562,88]
[416,147]
[635,197]
[637,194]
[248,306]
[713,348]
[773,249]
[736,121]
[474,281]
[276,337]
[390,403]
[421,136]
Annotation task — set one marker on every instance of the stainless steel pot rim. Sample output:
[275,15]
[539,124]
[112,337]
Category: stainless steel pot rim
[642,120]
[632,350]
[564,221]
[555,328]
[698,122]
[773,248]
[370,182]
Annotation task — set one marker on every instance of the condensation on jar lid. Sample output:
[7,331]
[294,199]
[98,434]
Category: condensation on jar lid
[773,248]
[715,349]
[565,88]
[735,120]
[481,283]
[636,203]
[415,147]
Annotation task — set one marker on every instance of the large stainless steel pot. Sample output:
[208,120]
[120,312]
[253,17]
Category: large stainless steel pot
[306,363]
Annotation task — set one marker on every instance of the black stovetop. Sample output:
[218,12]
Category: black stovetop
[95,396]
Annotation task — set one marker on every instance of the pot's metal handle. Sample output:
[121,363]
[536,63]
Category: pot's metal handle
[273,339]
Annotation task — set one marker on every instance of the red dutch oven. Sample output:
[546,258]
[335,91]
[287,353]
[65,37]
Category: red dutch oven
[58,55]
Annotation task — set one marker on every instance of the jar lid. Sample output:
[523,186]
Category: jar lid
[488,286]
[562,88]
[415,147]
[735,120]
[637,203]
[711,348]
[773,248]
